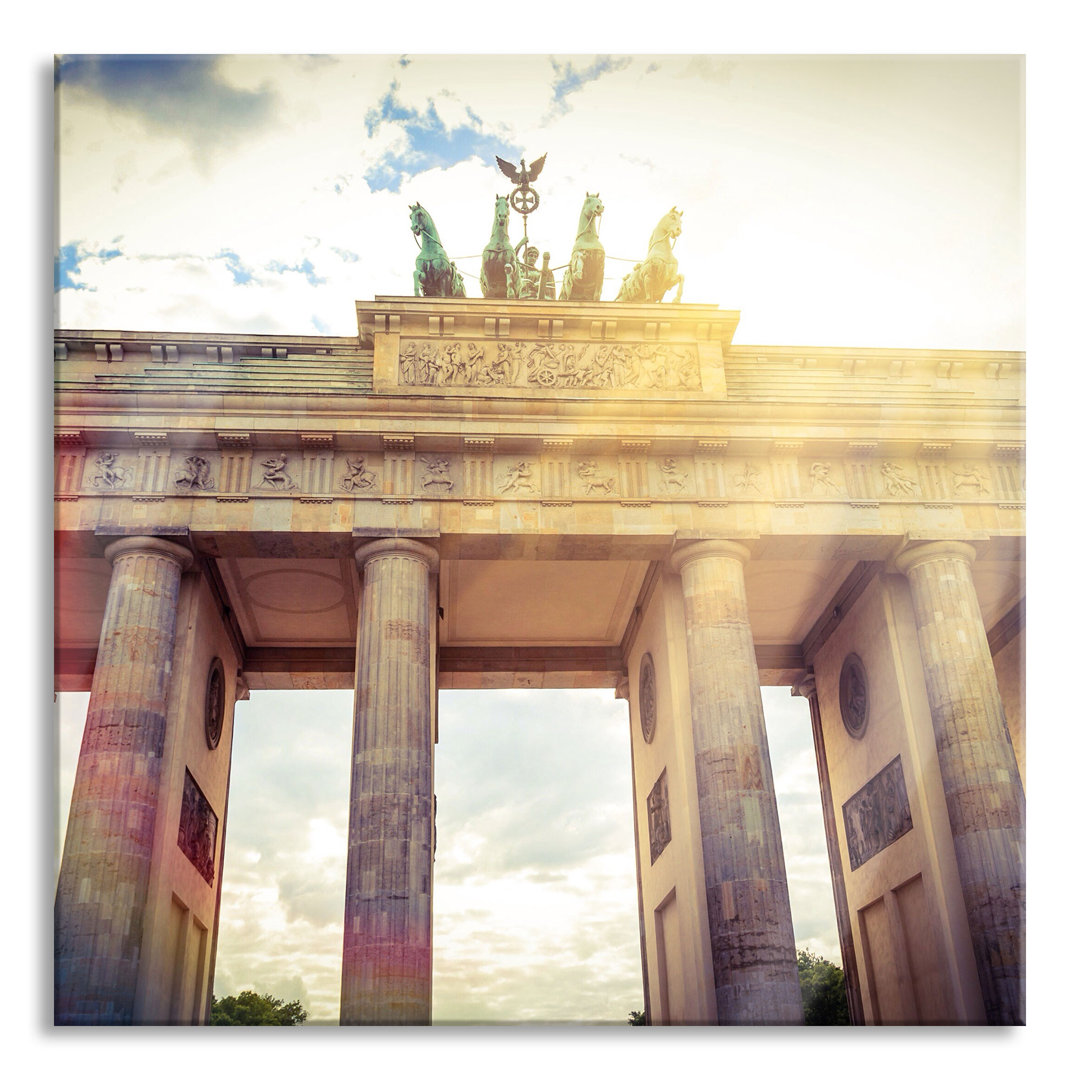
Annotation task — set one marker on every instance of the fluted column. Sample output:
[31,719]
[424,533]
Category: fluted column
[983,793]
[386,963]
[807,688]
[105,872]
[753,943]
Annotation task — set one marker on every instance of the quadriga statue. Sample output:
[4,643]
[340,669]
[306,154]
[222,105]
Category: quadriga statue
[650,280]
[499,271]
[584,276]
[435,274]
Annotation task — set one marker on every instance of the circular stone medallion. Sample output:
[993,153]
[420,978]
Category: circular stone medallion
[854,695]
[647,698]
[215,702]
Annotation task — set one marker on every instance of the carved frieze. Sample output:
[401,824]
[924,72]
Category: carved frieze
[877,815]
[274,474]
[897,482]
[673,478]
[358,477]
[659,818]
[436,478]
[593,482]
[970,481]
[195,475]
[517,479]
[749,480]
[197,837]
[109,473]
[631,472]
[550,364]
[821,482]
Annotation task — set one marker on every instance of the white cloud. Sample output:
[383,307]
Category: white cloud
[834,203]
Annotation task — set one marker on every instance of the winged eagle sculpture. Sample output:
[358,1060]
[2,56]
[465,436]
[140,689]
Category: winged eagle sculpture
[524,199]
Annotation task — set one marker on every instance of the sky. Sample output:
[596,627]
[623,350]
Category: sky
[833,201]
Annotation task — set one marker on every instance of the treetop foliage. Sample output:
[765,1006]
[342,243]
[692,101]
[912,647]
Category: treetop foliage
[823,995]
[248,1009]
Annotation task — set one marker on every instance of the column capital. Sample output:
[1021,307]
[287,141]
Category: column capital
[921,551]
[396,545]
[149,545]
[806,686]
[708,549]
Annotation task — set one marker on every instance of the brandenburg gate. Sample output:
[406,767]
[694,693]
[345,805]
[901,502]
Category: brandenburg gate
[475,493]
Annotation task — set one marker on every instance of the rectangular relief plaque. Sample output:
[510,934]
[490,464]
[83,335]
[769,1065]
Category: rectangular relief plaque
[550,364]
[198,829]
[659,818]
[877,814]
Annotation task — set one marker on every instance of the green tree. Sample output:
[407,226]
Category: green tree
[248,1009]
[823,996]
[636,1019]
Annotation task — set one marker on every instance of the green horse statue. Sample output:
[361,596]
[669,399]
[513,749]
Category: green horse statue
[584,277]
[435,274]
[650,280]
[499,271]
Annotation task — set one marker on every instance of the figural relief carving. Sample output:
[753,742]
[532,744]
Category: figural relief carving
[437,475]
[749,479]
[589,473]
[214,710]
[518,480]
[645,365]
[877,815]
[197,837]
[647,698]
[820,480]
[659,818]
[358,476]
[673,477]
[854,695]
[451,363]
[274,474]
[195,475]
[109,474]
[970,480]
[897,482]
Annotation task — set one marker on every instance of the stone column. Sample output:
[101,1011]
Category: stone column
[105,872]
[983,793]
[753,944]
[386,963]
[807,688]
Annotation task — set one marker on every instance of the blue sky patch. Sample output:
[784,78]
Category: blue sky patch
[66,264]
[241,274]
[569,79]
[306,268]
[430,144]
[346,255]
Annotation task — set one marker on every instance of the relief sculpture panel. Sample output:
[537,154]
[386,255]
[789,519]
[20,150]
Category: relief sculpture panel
[198,829]
[550,365]
[659,818]
[877,815]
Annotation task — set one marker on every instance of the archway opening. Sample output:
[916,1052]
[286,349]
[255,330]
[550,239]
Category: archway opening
[535,897]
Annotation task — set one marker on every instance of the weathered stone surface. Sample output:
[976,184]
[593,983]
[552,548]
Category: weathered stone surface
[102,890]
[983,792]
[555,453]
[753,943]
[386,960]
